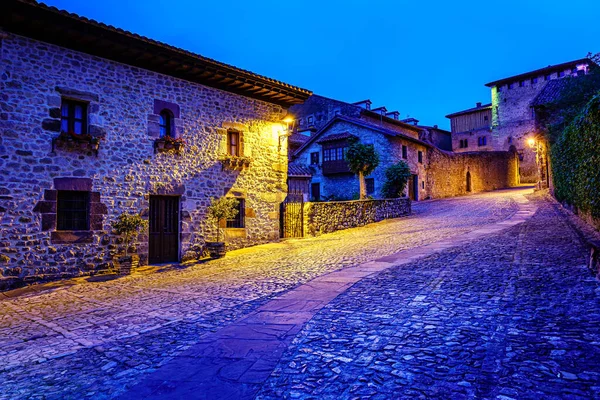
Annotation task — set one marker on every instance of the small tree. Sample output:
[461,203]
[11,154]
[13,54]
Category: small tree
[362,160]
[222,208]
[129,226]
[396,178]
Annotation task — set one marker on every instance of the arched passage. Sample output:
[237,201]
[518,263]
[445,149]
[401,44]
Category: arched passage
[469,181]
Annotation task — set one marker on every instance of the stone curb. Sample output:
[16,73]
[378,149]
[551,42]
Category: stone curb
[236,360]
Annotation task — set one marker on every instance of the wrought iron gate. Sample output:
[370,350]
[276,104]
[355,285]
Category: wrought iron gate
[292,215]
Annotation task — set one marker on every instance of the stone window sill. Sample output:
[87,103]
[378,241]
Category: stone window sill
[71,237]
[235,232]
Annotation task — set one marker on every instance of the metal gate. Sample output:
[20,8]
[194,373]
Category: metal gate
[292,215]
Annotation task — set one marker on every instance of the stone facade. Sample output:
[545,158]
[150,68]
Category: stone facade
[471,129]
[513,118]
[122,103]
[448,174]
[345,186]
[326,217]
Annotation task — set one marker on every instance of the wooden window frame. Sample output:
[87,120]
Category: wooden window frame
[70,117]
[234,148]
[165,121]
[64,215]
[404,152]
[239,221]
[314,158]
[420,157]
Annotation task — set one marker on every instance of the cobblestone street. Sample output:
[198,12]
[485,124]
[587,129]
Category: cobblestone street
[515,310]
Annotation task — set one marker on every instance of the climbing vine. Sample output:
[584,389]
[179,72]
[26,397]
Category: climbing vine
[576,160]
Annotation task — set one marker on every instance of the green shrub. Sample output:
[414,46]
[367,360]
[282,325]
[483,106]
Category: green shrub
[396,178]
[576,160]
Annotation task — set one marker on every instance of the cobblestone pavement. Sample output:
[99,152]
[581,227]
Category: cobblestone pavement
[515,315]
[92,339]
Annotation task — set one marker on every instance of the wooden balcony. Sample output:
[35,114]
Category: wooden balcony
[335,167]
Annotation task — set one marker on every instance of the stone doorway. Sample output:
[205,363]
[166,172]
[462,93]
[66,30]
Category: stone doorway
[413,188]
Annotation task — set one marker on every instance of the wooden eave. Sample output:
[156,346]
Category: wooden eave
[48,24]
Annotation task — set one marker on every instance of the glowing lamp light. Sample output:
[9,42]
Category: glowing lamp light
[288,120]
[531,142]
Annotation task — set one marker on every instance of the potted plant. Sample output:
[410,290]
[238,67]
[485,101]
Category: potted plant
[220,209]
[128,226]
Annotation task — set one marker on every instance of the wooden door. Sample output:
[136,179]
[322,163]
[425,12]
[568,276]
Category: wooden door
[164,229]
[413,188]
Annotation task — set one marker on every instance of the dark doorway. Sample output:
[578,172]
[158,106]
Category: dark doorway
[315,191]
[413,188]
[468,181]
[164,229]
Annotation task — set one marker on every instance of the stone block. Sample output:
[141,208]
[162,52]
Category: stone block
[81,184]
[48,222]
[45,207]
[52,125]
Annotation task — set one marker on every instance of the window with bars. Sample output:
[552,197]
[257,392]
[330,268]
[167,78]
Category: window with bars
[73,116]
[233,143]
[238,221]
[72,210]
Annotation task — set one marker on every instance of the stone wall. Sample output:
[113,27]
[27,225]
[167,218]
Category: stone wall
[490,170]
[325,217]
[127,170]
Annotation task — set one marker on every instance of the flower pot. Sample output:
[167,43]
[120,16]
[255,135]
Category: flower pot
[126,263]
[216,249]
[160,145]
[169,145]
[95,146]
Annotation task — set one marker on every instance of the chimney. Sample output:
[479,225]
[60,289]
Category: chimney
[478,105]
[366,104]
[393,114]
[380,110]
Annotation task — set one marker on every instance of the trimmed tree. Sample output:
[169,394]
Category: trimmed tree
[362,160]
[128,226]
[396,178]
[222,208]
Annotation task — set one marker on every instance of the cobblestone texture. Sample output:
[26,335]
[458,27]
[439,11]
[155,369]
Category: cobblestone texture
[91,340]
[511,316]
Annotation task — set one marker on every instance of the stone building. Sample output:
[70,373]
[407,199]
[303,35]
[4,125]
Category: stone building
[471,129]
[393,141]
[510,115]
[96,121]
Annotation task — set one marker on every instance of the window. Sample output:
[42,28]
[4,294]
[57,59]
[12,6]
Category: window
[510,139]
[511,85]
[485,118]
[561,74]
[481,141]
[547,77]
[422,184]
[499,88]
[233,143]
[310,120]
[238,220]
[466,143]
[534,80]
[314,158]
[370,183]
[72,210]
[404,152]
[521,83]
[420,156]
[165,123]
[73,117]
[315,191]
[334,154]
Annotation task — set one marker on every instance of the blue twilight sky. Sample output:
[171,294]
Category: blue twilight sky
[424,58]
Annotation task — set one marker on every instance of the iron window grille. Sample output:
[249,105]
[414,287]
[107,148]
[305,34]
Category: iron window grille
[73,211]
